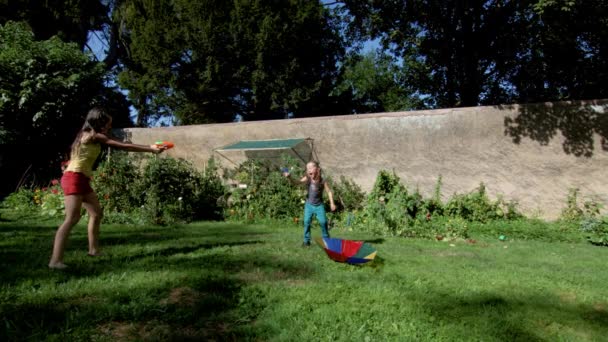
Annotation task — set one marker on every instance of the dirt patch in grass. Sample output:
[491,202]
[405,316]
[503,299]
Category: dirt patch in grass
[183,296]
[256,275]
[456,254]
[297,282]
[567,297]
[119,331]
[149,331]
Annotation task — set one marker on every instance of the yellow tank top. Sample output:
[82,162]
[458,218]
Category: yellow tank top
[83,158]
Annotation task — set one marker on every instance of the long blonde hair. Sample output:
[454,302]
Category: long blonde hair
[95,121]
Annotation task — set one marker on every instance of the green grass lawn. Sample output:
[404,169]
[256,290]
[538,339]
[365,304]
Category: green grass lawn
[223,281]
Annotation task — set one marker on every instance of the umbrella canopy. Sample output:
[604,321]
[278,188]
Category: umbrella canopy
[348,251]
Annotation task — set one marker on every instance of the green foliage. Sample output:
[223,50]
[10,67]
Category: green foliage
[52,200]
[224,281]
[70,20]
[596,230]
[116,183]
[22,200]
[164,190]
[384,184]
[157,190]
[348,195]
[169,188]
[391,209]
[372,81]
[46,86]
[206,61]
[174,190]
[46,89]
[477,206]
[210,193]
[267,195]
[46,201]
[493,52]
[587,217]
[574,211]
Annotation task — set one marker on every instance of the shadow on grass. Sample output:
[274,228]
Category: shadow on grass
[183,289]
[488,314]
[11,226]
[375,241]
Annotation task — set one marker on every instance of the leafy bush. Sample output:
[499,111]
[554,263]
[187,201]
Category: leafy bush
[575,212]
[210,192]
[440,228]
[175,190]
[45,89]
[348,195]
[596,230]
[52,201]
[391,209]
[116,183]
[24,199]
[476,206]
[265,192]
[157,190]
[47,201]
[135,189]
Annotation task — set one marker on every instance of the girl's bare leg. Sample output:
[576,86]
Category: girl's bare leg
[72,216]
[91,204]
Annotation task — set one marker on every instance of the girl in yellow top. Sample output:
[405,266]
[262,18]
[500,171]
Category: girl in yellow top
[76,181]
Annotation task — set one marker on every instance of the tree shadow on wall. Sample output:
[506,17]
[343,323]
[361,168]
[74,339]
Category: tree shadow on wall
[577,121]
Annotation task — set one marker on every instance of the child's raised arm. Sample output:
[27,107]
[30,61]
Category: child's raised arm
[330,194]
[300,181]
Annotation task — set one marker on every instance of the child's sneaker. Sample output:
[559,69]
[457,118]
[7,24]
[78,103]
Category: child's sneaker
[306,244]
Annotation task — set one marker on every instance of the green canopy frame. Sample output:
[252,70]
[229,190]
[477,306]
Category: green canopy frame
[301,148]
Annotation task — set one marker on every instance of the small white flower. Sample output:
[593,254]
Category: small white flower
[179,198]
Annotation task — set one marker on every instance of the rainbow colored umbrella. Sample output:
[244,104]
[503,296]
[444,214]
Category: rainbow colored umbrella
[348,251]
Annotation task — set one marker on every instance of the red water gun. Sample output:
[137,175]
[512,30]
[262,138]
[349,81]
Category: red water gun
[166,144]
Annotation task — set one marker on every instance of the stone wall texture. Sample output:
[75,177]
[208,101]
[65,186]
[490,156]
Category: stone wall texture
[529,153]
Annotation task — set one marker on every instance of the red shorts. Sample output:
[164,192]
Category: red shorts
[75,183]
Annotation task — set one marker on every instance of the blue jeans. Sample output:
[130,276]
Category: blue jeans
[319,212]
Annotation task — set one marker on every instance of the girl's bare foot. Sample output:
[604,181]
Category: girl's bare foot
[57,266]
[96,254]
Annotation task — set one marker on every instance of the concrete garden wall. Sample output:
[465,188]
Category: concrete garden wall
[533,154]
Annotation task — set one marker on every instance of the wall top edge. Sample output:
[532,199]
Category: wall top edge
[412,113]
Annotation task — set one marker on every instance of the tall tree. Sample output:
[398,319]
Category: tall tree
[211,60]
[46,89]
[75,22]
[374,83]
[70,20]
[470,52]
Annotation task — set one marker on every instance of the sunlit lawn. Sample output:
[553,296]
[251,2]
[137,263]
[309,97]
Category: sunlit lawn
[223,281]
